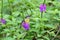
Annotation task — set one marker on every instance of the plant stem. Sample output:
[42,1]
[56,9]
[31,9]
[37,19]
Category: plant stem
[10,8]
[42,12]
[2,9]
[44,2]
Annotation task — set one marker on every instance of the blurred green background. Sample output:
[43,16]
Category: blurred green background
[42,28]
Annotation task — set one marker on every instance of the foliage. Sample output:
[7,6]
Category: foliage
[43,28]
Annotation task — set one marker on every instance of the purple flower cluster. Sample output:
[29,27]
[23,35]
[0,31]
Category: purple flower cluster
[25,25]
[43,7]
[3,21]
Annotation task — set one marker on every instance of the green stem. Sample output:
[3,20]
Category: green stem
[10,8]
[42,12]
[2,9]
[44,2]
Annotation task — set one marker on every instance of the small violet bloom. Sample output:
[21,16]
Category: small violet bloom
[3,21]
[25,25]
[43,7]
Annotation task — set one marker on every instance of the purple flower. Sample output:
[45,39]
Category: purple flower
[3,21]
[25,25]
[43,7]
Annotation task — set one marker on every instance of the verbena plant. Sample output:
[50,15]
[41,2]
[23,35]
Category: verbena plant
[14,11]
